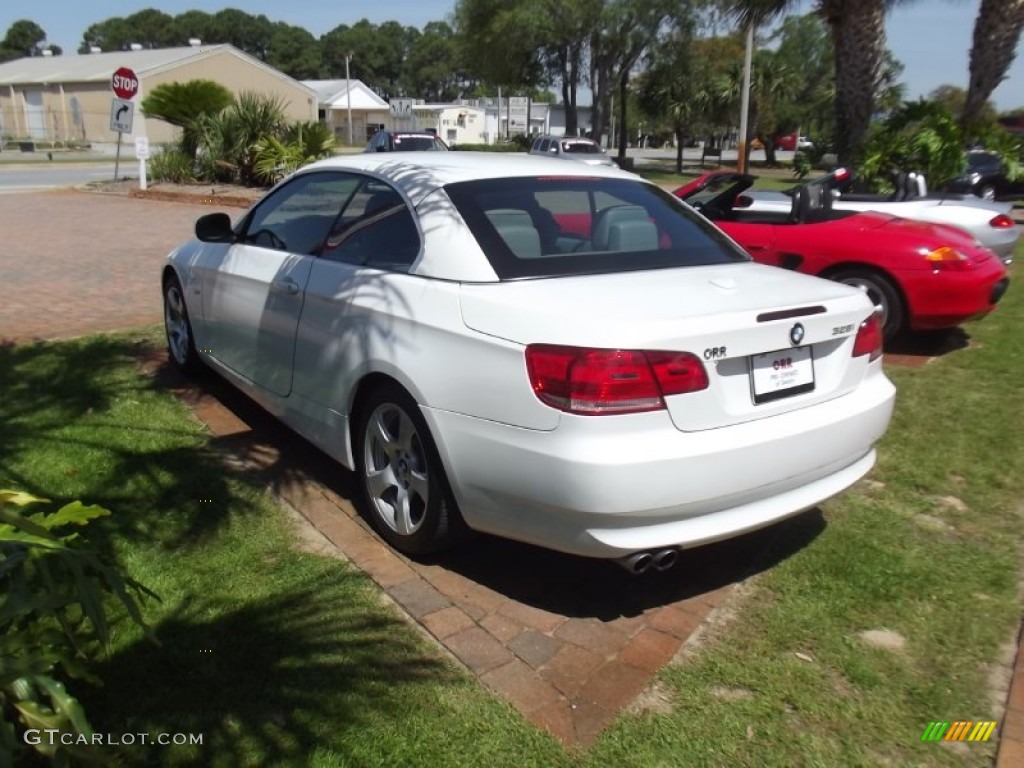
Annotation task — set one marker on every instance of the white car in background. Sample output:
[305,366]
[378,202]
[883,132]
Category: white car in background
[990,223]
[556,353]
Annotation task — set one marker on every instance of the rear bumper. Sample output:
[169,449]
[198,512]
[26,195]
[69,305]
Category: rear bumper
[1002,242]
[608,487]
[944,299]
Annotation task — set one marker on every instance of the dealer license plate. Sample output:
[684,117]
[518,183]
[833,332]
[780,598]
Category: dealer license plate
[783,373]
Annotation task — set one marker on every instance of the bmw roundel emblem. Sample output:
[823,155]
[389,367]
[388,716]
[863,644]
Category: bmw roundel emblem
[796,334]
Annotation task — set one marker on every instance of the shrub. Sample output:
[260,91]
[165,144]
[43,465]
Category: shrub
[173,165]
[53,617]
[302,143]
[919,136]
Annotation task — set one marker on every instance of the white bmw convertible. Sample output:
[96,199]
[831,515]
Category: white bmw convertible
[567,356]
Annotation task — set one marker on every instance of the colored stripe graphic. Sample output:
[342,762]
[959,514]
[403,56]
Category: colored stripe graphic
[935,731]
[959,730]
[982,730]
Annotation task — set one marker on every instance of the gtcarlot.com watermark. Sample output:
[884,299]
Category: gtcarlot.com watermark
[53,738]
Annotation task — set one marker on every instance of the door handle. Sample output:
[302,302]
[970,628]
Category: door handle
[286,285]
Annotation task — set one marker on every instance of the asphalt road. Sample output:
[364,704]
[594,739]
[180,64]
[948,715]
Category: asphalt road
[33,177]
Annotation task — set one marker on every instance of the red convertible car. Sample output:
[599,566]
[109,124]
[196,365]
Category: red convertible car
[919,275]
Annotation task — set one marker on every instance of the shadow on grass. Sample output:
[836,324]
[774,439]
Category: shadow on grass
[270,680]
[563,584]
[75,424]
[923,345]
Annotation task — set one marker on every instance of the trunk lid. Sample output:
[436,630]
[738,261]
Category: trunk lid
[726,315]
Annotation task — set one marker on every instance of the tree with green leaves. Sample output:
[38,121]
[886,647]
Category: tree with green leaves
[433,67]
[997,31]
[566,32]
[149,28]
[504,41]
[669,88]
[625,30]
[183,104]
[920,136]
[294,51]
[25,38]
[858,37]
[377,55]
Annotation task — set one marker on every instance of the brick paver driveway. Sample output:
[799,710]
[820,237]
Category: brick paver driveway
[74,262]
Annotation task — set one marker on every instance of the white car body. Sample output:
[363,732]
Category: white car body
[974,216]
[302,335]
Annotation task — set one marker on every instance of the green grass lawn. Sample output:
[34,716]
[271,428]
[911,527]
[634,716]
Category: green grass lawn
[279,657]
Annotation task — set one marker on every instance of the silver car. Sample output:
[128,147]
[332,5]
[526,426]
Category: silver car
[575,148]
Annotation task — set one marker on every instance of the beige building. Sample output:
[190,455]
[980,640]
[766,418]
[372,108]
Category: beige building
[69,98]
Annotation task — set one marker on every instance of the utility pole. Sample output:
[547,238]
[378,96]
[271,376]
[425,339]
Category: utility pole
[348,95]
[741,159]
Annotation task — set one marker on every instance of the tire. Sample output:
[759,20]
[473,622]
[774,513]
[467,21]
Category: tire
[883,294]
[986,192]
[403,486]
[181,346]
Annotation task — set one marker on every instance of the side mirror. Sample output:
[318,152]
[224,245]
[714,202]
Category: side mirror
[215,228]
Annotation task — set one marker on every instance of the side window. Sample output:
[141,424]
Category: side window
[298,216]
[376,229]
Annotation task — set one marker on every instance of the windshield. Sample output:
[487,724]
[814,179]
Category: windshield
[566,225]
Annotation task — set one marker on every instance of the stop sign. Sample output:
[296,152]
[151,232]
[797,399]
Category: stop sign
[125,83]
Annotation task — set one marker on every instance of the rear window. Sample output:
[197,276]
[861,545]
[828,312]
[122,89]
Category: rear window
[553,226]
[581,148]
[983,163]
[418,144]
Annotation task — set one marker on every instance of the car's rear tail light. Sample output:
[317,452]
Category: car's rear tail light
[947,257]
[869,338]
[595,382]
[1002,221]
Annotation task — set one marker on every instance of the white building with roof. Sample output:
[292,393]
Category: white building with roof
[335,98]
[454,123]
[69,98]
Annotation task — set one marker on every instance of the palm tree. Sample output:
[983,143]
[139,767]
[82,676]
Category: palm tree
[997,31]
[184,105]
[858,36]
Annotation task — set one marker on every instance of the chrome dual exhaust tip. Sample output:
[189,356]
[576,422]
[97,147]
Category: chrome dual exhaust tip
[640,562]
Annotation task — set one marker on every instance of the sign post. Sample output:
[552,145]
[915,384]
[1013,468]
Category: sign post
[125,84]
[142,154]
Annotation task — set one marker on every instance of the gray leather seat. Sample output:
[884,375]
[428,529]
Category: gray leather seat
[516,229]
[624,228]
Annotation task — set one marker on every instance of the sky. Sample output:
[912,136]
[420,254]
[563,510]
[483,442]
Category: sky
[931,38]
